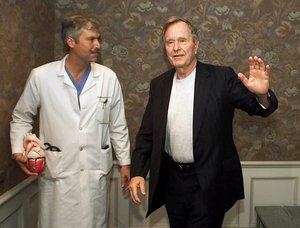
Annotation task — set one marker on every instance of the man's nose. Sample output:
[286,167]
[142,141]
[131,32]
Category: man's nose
[176,45]
[97,44]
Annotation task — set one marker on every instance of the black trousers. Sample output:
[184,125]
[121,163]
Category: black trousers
[185,202]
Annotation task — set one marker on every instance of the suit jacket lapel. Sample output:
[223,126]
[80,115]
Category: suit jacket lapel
[202,88]
[166,93]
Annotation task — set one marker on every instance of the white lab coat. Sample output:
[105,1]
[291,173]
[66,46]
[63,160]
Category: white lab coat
[74,184]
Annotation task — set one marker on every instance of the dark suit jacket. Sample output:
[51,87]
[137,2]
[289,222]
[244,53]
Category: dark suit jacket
[218,92]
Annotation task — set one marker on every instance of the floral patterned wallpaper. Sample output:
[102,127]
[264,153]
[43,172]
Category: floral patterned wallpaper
[229,30]
[24,43]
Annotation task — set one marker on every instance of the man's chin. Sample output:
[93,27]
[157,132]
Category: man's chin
[94,58]
[178,65]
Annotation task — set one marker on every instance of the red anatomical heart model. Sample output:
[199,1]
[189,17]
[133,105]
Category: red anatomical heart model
[35,153]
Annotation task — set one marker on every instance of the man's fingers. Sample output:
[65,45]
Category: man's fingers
[21,160]
[125,183]
[256,63]
[251,63]
[134,195]
[25,170]
[268,69]
[243,78]
[142,187]
[137,184]
[262,65]
[125,177]
[20,157]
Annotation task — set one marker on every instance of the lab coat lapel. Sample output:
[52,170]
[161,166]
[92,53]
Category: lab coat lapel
[61,72]
[91,81]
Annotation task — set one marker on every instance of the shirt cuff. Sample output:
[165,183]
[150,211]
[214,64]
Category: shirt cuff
[269,95]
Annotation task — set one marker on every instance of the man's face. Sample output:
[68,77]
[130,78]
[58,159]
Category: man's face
[88,46]
[180,46]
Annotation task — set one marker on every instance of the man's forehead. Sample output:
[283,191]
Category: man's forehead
[90,33]
[178,34]
[179,28]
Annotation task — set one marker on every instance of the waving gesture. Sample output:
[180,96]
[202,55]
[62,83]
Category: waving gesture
[258,80]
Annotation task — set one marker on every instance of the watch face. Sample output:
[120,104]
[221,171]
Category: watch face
[36,165]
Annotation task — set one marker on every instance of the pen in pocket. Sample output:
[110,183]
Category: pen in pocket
[105,147]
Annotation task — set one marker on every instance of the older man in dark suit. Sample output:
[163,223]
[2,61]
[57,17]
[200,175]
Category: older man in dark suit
[185,138]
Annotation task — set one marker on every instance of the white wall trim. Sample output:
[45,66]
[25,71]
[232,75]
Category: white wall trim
[18,206]
[270,164]
[267,183]
[16,189]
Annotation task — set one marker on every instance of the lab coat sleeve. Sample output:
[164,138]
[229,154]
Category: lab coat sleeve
[118,127]
[22,116]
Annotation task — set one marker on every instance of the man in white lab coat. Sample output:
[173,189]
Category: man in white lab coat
[81,114]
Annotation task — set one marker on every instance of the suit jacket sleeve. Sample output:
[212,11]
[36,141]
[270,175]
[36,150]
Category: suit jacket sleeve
[141,155]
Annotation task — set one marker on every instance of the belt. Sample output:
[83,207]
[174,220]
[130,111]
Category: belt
[183,166]
[179,166]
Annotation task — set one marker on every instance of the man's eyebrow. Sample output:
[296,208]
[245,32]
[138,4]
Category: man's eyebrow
[178,38]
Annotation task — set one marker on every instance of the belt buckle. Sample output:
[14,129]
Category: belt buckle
[180,166]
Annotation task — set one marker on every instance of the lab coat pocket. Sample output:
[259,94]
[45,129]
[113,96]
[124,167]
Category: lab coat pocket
[105,159]
[103,110]
[53,164]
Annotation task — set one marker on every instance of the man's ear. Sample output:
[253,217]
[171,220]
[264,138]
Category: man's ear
[70,42]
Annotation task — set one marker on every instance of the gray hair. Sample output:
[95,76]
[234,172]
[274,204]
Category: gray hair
[173,20]
[73,25]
